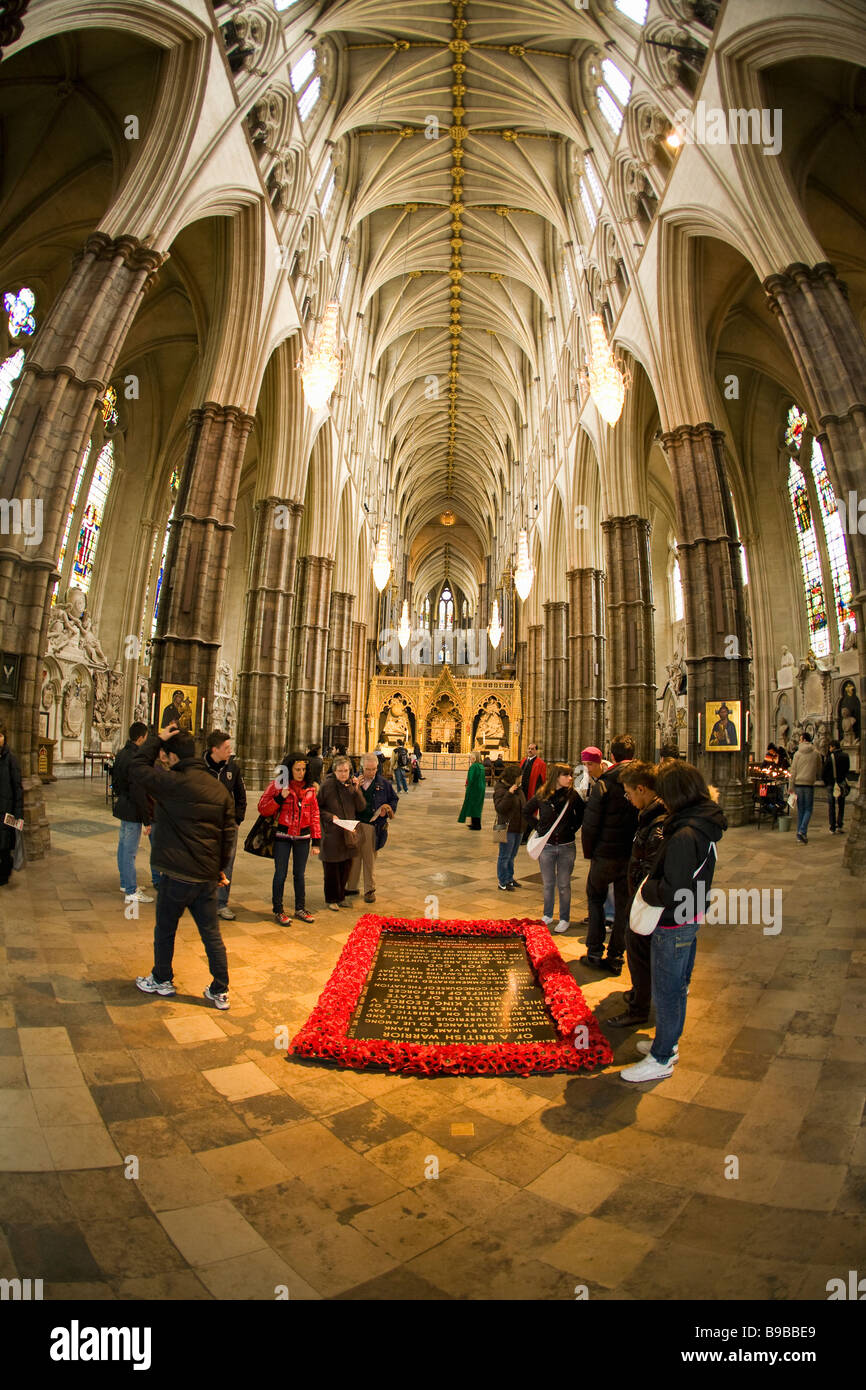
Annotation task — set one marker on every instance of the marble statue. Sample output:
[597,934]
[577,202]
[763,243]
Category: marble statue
[677,674]
[848,716]
[225,706]
[396,724]
[849,638]
[787,659]
[490,727]
[71,634]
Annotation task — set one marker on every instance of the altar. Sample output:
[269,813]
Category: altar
[445,715]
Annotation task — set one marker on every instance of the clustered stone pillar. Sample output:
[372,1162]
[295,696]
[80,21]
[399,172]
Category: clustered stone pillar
[585,660]
[358,689]
[518,736]
[532,727]
[631,651]
[339,671]
[310,650]
[716,640]
[265,664]
[44,433]
[555,681]
[189,632]
[829,349]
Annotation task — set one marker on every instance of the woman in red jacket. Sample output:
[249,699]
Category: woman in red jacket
[293,795]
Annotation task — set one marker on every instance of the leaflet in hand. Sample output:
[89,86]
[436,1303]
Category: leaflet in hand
[345,824]
[10,820]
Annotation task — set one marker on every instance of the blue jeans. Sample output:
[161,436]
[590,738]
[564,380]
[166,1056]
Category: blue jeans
[673,956]
[400,778]
[507,854]
[171,900]
[298,850]
[127,845]
[805,802]
[223,893]
[556,863]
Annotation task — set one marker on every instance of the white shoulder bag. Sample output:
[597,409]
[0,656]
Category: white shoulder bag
[535,844]
[643,917]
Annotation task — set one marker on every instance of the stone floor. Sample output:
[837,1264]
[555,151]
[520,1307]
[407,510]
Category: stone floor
[156,1149]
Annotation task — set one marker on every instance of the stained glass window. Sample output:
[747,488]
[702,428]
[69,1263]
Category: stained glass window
[834,535]
[794,430]
[20,308]
[160,576]
[816,607]
[94,515]
[108,405]
[82,469]
[446,609]
[634,9]
[613,94]
[10,370]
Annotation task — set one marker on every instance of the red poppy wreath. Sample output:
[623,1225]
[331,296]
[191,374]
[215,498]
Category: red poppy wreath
[350,1000]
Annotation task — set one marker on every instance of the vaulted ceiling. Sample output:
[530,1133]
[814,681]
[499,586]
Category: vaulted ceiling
[456,118]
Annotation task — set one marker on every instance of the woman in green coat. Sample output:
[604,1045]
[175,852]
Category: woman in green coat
[473,801]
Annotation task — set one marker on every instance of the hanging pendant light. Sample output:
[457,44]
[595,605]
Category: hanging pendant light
[495,630]
[320,370]
[524,573]
[382,561]
[606,380]
[404,631]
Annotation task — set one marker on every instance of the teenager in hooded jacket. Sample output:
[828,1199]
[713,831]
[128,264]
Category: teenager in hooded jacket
[678,882]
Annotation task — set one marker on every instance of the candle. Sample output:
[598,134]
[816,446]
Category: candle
[699,729]
[152,707]
[202,712]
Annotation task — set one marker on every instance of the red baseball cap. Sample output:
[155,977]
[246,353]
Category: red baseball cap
[591,755]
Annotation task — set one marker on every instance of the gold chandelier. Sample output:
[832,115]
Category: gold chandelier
[607,381]
[320,370]
[382,561]
[404,631]
[448,518]
[524,573]
[495,630]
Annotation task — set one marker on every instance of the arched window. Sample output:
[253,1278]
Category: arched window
[633,9]
[175,487]
[810,562]
[21,323]
[613,94]
[108,408]
[834,535]
[427,612]
[305,85]
[284,4]
[446,609]
[590,192]
[82,469]
[93,517]
[677,590]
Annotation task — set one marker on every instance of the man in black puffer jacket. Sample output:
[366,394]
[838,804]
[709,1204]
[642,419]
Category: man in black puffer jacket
[639,783]
[193,842]
[609,825]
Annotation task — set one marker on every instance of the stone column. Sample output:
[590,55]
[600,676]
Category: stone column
[358,689]
[518,740]
[585,660]
[339,670]
[630,647]
[310,650]
[189,631]
[828,347]
[265,660]
[45,430]
[533,728]
[555,681]
[717,663]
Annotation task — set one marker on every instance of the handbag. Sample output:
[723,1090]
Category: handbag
[643,917]
[500,832]
[535,844]
[260,840]
[353,838]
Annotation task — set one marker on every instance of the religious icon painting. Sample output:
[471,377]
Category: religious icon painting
[723,722]
[177,705]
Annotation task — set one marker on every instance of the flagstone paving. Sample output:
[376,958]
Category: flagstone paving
[154,1148]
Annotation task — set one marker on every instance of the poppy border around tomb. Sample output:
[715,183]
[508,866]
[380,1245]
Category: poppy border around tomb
[324,1035]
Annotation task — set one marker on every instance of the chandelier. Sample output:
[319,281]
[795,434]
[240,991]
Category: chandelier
[320,370]
[524,573]
[607,382]
[495,630]
[404,630]
[448,518]
[382,561]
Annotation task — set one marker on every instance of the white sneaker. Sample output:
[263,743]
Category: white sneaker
[220,1000]
[226,913]
[562,926]
[137,897]
[548,921]
[152,986]
[646,1043]
[647,1070]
